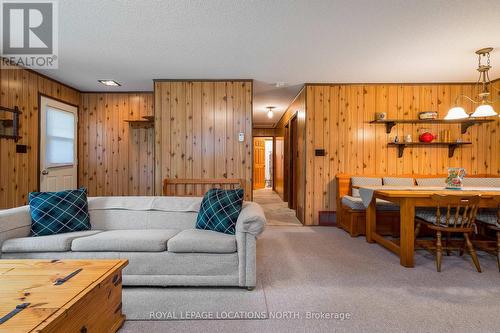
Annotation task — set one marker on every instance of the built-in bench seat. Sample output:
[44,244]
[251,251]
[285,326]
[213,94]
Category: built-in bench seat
[350,209]
[355,203]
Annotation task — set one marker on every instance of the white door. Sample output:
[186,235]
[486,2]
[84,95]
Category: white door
[58,151]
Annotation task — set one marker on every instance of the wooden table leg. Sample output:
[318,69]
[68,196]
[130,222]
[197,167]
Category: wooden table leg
[407,227]
[371,220]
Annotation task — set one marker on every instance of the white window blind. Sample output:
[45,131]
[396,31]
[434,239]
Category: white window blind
[60,139]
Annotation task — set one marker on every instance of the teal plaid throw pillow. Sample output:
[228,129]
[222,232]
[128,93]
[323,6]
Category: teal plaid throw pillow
[219,210]
[58,212]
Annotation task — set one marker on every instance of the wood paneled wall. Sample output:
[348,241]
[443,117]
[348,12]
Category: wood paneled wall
[269,132]
[279,167]
[197,125]
[337,121]
[19,172]
[114,157]
[297,108]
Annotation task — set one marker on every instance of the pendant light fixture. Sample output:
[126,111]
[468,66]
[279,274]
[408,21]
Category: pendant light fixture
[484,109]
[270,113]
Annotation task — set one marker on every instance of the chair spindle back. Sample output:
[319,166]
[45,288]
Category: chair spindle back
[460,211]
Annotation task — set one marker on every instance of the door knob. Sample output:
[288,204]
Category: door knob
[45,172]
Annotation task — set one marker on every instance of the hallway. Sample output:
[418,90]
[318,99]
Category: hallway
[277,211]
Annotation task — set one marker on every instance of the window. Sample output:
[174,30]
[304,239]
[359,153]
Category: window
[60,138]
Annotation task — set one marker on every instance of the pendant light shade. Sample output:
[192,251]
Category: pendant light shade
[484,110]
[485,101]
[456,113]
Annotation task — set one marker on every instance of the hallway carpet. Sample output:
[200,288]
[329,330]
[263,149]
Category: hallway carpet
[277,211]
[353,286]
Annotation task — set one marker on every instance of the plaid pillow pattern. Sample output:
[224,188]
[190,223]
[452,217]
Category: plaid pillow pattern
[219,210]
[58,212]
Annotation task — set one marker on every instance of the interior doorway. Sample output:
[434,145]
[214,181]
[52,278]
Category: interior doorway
[263,173]
[291,156]
[269,181]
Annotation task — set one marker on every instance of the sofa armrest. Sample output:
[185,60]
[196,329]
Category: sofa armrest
[14,223]
[251,219]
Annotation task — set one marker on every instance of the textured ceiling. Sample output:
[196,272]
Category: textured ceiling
[292,41]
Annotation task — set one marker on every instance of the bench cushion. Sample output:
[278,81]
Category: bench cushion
[482,182]
[431,181]
[398,181]
[356,203]
[364,181]
[488,216]
[202,241]
[429,215]
[148,240]
[51,243]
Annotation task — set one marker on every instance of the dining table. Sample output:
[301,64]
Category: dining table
[409,198]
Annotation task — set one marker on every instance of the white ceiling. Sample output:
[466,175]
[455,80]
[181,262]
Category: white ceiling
[292,41]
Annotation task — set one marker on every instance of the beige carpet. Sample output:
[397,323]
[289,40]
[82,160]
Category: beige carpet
[323,269]
[178,303]
[277,211]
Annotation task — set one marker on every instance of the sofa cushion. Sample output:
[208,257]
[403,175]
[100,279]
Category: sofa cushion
[51,243]
[482,182]
[398,181]
[203,241]
[58,212]
[431,181]
[149,240]
[356,203]
[219,210]
[364,181]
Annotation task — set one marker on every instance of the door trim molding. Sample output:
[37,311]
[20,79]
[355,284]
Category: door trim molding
[40,95]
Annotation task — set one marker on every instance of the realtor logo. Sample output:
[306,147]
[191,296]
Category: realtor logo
[29,33]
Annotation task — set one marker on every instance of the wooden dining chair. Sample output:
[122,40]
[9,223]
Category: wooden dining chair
[490,218]
[453,214]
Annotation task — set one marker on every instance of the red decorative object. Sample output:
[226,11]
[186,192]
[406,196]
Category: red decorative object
[427,137]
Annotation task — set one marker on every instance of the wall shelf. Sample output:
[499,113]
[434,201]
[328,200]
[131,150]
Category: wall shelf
[13,124]
[465,123]
[451,146]
[145,122]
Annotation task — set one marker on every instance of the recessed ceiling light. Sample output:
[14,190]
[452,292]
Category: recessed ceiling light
[110,83]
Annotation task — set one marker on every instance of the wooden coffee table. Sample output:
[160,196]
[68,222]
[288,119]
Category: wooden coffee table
[61,295]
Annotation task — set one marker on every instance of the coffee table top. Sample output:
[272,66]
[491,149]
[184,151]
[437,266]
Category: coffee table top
[50,287]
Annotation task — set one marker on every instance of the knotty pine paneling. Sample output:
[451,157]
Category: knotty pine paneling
[279,164]
[19,172]
[115,158]
[297,108]
[197,125]
[338,121]
[263,132]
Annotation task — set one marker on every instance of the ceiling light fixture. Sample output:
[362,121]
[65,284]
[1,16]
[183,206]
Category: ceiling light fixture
[270,113]
[110,83]
[484,109]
